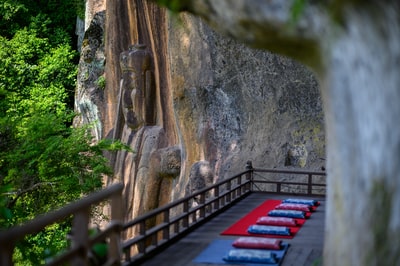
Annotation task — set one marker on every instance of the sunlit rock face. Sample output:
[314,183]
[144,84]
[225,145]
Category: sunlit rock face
[217,104]
[89,94]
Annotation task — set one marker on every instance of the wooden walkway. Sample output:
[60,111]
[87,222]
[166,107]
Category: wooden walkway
[305,248]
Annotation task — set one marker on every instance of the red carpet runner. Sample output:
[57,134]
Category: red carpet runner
[240,227]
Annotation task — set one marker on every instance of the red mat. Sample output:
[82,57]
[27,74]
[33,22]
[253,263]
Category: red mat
[240,227]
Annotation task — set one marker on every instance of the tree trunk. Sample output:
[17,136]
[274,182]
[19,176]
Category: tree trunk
[355,51]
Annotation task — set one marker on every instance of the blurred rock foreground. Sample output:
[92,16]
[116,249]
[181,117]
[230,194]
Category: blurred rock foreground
[215,103]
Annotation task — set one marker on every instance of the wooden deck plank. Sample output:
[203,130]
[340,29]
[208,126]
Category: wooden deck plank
[305,248]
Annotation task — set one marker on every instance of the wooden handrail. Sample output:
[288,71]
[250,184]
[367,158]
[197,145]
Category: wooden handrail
[285,171]
[180,201]
[220,195]
[81,212]
[311,187]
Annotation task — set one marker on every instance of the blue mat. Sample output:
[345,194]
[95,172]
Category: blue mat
[217,249]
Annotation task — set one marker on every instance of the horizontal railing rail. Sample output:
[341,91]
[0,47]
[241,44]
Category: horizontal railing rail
[294,182]
[80,241]
[177,218]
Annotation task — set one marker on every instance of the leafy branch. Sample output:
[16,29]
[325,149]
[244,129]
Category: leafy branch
[21,192]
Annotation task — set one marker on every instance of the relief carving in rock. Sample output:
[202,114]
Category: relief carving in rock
[147,173]
[137,87]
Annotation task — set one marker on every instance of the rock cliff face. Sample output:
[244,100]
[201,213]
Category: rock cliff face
[216,104]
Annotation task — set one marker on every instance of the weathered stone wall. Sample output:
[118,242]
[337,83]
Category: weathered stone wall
[218,104]
[234,104]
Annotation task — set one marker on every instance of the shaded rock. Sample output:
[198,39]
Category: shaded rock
[89,95]
[201,175]
[170,162]
[297,156]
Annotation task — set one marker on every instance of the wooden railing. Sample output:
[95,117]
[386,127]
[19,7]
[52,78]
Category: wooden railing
[80,241]
[177,218]
[152,237]
[160,227]
[293,182]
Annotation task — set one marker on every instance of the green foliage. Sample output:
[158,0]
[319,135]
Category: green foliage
[35,76]
[9,8]
[174,5]
[101,82]
[44,162]
[17,14]
[12,12]
[50,165]
[297,10]
[56,159]
[5,212]
[34,250]
[317,262]
[80,8]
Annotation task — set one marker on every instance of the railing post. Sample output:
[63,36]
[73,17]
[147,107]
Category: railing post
[309,190]
[115,246]
[216,196]
[240,186]
[249,175]
[166,220]
[202,206]
[176,228]
[229,189]
[142,232]
[185,222]
[234,189]
[6,252]
[154,239]
[223,201]
[278,187]
[194,213]
[80,236]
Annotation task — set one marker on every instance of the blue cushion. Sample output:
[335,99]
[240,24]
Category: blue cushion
[287,213]
[250,255]
[301,201]
[269,230]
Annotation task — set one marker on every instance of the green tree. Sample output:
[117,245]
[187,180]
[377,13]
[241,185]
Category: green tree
[51,164]
[44,161]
